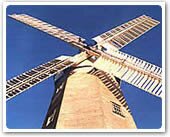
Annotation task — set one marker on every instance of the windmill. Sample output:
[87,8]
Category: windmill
[102,63]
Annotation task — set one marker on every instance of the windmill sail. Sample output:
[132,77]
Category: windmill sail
[26,80]
[128,68]
[49,29]
[135,71]
[122,35]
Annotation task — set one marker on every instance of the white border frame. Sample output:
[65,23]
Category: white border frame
[5,4]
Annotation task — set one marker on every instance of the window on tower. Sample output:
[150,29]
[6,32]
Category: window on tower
[51,118]
[117,109]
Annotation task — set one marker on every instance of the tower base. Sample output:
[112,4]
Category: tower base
[87,103]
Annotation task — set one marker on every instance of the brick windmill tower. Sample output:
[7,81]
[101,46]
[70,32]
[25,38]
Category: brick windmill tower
[87,86]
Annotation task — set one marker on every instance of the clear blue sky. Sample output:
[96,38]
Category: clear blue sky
[28,47]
